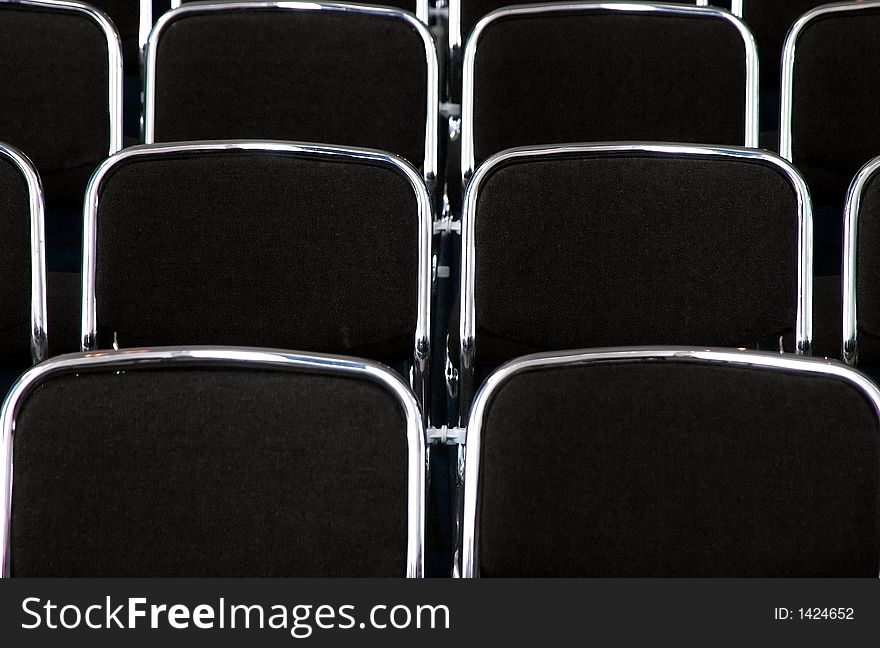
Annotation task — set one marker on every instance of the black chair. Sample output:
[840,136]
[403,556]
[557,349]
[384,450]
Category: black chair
[827,124]
[614,72]
[649,462]
[211,462]
[420,8]
[828,71]
[861,271]
[349,75]
[22,266]
[61,74]
[600,245]
[271,244]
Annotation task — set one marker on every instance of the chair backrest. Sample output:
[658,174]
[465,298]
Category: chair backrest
[349,75]
[829,72]
[616,71]
[465,14]
[133,20]
[861,269]
[61,74]
[22,262]
[610,244]
[418,7]
[271,244]
[211,462]
[582,246]
[673,462]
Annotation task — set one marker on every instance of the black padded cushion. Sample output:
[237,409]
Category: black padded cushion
[258,249]
[576,252]
[608,76]
[868,274]
[15,267]
[330,77]
[835,102]
[678,470]
[125,15]
[209,472]
[54,75]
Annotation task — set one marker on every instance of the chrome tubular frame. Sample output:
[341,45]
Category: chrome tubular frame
[422,10]
[455,35]
[788,56]
[469,567]
[432,134]
[145,26]
[803,325]
[850,348]
[422,341]
[751,59]
[213,356]
[114,59]
[36,204]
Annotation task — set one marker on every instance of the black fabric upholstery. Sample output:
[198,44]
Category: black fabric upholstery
[126,16]
[608,76]
[209,472]
[576,252]
[834,100]
[660,469]
[15,267]
[329,77]
[868,273]
[258,249]
[54,75]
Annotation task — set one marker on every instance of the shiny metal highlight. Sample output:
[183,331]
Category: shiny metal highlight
[145,26]
[36,204]
[421,9]
[852,208]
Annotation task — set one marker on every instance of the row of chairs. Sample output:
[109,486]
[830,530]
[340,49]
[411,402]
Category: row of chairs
[769,21]
[83,128]
[214,461]
[329,249]
[617,72]
[256,219]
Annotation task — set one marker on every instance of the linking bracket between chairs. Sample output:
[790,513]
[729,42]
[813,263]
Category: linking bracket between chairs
[446,435]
